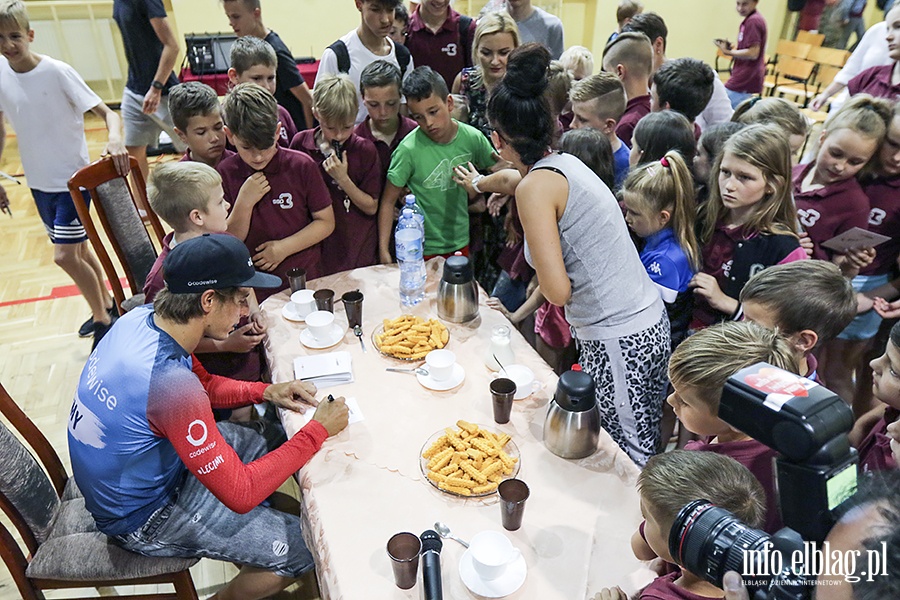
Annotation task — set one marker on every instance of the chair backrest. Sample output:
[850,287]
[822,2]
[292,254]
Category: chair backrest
[795,69]
[829,56]
[790,48]
[117,209]
[808,37]
[825,74]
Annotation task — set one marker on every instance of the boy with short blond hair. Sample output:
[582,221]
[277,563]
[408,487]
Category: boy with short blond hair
[808,314]
[281,208]
[291,91]
[384,126]
[352,171]
[424,162]
[698,370]
[45,101]
[630,58]
[197,115]
[599,101]
[254,61]
[188,196]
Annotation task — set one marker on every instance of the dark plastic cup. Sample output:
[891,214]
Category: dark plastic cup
[297,279]
[513,494]
[324,300]
[353,307]
[503,391]
[403,549]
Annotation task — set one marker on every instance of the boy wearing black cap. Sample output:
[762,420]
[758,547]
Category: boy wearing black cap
[149,457]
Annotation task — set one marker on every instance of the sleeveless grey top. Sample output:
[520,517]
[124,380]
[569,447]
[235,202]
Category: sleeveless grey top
[612,296]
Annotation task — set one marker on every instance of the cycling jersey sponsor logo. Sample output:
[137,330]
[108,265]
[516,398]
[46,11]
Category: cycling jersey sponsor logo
[197,441]
[280,548]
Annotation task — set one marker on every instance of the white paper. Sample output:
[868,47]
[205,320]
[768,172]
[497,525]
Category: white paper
[324,370]
[355,415]
[854,239]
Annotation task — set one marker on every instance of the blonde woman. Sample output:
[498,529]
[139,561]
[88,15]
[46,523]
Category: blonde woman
[495,37]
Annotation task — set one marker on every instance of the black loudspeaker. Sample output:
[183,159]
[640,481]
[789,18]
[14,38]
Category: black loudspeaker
[209,53]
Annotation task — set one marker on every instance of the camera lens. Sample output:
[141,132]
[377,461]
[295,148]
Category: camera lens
[708,541]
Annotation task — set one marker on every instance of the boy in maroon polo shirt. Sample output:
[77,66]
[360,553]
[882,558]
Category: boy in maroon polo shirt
[630,58]
[285,210]
[379,85]
[188,196]
[698,369]
[352,172]
[254,61]
[197,115]
[875,448]
[749,68]
[441,38]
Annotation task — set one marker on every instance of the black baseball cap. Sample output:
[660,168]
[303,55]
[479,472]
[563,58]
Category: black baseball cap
[212,261]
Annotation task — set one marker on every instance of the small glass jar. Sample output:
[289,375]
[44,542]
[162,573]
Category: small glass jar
[499,348]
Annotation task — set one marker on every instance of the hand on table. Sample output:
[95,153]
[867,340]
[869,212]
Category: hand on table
[615,593]
[293,395]
[496,304]
[333,416]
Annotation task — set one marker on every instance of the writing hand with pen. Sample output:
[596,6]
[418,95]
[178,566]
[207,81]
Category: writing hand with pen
[299,396]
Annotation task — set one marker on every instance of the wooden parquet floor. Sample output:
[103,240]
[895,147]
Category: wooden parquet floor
[41,355]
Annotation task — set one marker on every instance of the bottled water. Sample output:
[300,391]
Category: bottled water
[417,212]
[410,242]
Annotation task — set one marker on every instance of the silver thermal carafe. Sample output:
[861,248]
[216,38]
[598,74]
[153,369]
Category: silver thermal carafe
[457,299]
[572,427]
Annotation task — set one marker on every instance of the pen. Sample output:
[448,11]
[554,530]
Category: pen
[330,398]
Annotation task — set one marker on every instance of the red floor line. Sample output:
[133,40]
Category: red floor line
[65,291]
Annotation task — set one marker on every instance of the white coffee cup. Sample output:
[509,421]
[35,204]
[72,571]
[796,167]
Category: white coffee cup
[303,302]
[492,553]
[440,364]
[524,378]
[319,323]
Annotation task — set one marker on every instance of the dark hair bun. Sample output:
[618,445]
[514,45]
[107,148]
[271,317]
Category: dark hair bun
[526,70]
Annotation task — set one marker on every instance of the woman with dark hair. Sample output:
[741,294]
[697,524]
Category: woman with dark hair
[577,241]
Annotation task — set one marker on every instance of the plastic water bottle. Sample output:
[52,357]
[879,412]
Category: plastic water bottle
[410,245]
[417,212]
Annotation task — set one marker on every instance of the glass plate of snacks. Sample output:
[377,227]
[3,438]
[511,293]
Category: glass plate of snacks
[490,458]
[409,338]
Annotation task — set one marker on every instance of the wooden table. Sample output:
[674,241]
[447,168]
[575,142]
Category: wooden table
[365,483]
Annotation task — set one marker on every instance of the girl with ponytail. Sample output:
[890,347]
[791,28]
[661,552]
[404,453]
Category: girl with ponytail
[660,208]
[579,246]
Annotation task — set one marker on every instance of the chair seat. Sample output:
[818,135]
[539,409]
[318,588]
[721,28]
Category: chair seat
[76,551]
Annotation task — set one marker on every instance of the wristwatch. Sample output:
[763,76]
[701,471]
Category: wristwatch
[157,85]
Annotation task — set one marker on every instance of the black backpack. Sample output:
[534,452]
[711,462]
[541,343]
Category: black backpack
[343,56]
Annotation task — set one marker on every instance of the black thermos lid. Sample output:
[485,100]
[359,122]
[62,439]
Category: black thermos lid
[457,269]
[575,391]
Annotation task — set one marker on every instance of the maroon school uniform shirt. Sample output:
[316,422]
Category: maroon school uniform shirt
[747,75]
[757,457]
[354,242]
[875,450]
[296,192]
[829,210]
[664,588]
[636,109]
[364,130]
[443,51]
[186,157]
[877,82]
[246,366]
[884,218]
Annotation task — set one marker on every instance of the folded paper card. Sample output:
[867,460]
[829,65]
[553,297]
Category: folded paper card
[854,239]
[324,370]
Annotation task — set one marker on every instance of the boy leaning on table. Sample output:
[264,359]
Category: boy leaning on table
[158,474]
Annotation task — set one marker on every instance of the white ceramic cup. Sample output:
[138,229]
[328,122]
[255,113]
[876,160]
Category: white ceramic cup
[492,553]
[303,302]
[524,378]
[440,364]
[319,323]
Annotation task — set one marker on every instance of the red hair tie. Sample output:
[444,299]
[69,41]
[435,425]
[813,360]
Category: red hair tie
[664,162]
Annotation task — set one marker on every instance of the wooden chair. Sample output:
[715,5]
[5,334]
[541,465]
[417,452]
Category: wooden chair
[62,547]
[795,71]
[834,57]
[784,50]
[117,209]
[829,62]
[728,62]
[808,37]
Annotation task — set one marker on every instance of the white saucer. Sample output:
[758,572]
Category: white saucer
[308,340]
[458,376]
[290,313]
[511,580]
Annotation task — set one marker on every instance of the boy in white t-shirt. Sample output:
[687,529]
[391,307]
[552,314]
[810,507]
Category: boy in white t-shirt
[367,43]
[45,100]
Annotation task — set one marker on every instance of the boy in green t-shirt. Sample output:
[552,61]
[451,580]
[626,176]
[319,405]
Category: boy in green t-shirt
[424,162]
